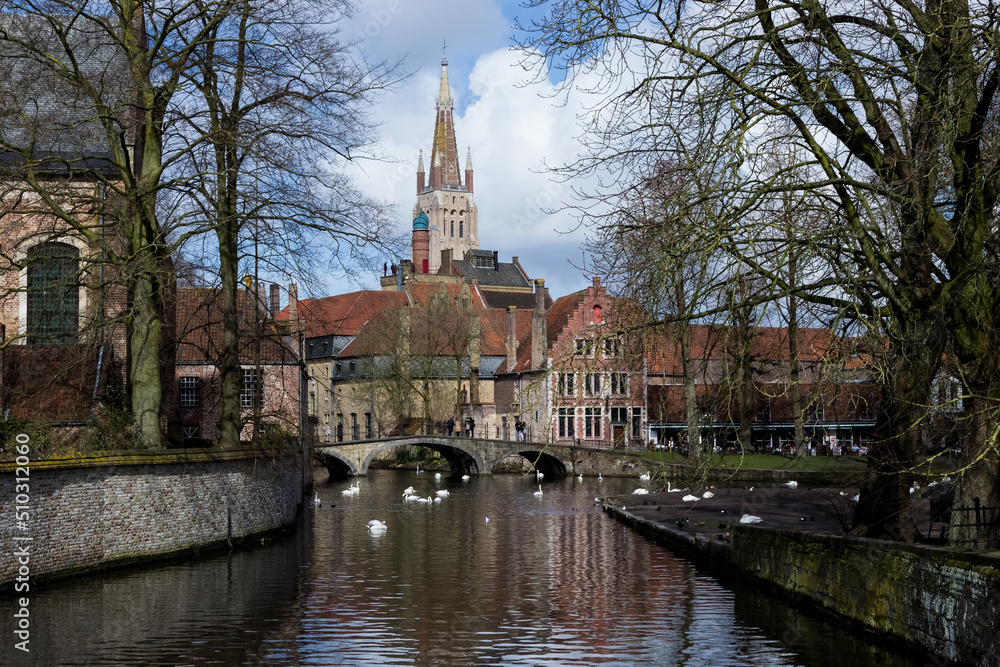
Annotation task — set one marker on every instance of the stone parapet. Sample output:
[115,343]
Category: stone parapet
[91,513]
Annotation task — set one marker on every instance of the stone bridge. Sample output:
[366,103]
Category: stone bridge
[478,456]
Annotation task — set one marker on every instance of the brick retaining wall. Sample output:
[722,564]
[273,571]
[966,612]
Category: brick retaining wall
[939,600]
[91,513]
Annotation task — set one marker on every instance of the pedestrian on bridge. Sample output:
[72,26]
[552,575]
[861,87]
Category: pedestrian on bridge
[451,424]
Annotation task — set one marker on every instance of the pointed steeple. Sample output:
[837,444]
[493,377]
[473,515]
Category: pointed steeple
[445,147]
[420,173]
[468,169]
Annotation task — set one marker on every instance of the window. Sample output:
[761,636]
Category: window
[815,412]
[592,384]
[461,231]
[592,422]
[584,347]
[619,384]
[566,423]
[636,421]
[253,390]
[597,315]
[53,293]
[190,392]
[312,403]
[619,415]
[369,434]
[354,426]
[353,367]
[612,347]
[763,412]
[453,228]
[565,386]
[340,369]
[866,410]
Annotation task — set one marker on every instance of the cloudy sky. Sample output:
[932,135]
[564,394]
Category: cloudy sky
[513,130]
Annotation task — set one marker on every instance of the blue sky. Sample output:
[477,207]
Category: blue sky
[513,130]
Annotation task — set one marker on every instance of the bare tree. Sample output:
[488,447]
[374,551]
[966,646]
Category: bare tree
[892,107]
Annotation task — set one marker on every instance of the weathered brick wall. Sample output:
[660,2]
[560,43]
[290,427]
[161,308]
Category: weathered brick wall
[92,516]
[941,600]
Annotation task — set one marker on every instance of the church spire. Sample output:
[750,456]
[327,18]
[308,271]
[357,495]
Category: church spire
[445,147]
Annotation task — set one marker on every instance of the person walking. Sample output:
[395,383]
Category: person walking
[472,427]
[451,425]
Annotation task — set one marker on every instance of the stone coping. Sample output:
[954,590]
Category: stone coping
[151,457]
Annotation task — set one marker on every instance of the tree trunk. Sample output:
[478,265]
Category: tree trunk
[978,479]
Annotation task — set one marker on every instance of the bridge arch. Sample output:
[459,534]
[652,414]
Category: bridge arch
[543,460]
[462,459]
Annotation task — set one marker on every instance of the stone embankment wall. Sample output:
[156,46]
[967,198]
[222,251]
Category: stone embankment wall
[95,512]
[934,599]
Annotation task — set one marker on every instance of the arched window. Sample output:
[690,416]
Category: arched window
[597,315]
[452,227]
[461,232]
[53,293]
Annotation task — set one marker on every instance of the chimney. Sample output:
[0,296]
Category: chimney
[446,255]
[511,338]
[496,260]
[293,306]
[597,284]
[539,343]
[261,298]
[275,300]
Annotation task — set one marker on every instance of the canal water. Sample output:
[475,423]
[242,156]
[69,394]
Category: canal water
[547,580]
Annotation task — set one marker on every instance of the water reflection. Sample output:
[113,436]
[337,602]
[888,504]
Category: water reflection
[546,581]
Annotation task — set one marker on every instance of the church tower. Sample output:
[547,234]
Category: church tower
[444,200]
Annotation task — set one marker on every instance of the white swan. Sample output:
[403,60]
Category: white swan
[749,518]
[670,490]
[599,478]
[412,498]
[316,501]
[689,498]
[708,494]
[538,493]
[352,490]
[422,500]
[437,475]
[419,471]
[443,493]
[640,492]
[644,477]
[539,475]
[487,519]
[437,499]
[375,523]
[465,478]
[579,477]
[409,491]
[791,484]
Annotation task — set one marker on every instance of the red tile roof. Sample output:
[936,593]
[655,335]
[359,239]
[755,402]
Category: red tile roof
[199,330]
[344,314]
[53,382]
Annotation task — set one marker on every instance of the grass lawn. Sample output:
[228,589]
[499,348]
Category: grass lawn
[837,464]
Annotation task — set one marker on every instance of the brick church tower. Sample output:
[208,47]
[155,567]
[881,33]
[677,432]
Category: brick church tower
[445,201]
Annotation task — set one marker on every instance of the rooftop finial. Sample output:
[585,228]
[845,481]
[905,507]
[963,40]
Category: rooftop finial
[468,158]
[444,51]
